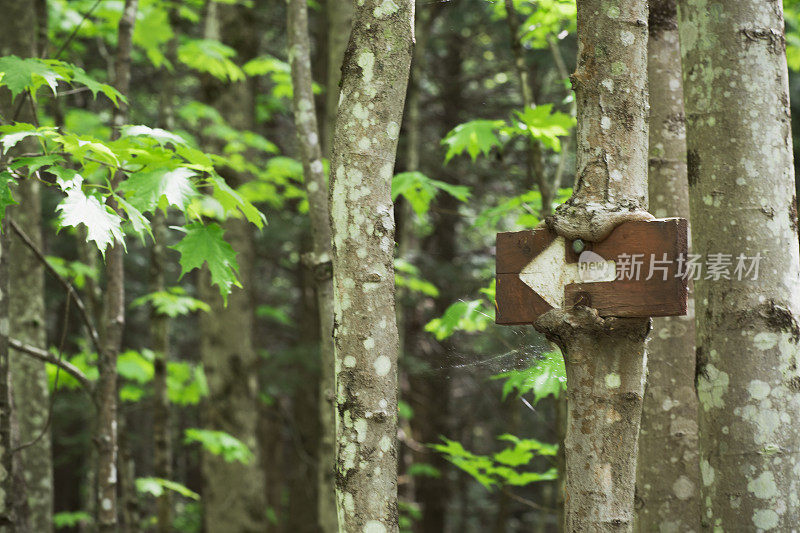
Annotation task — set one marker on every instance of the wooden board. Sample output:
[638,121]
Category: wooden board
[517,303]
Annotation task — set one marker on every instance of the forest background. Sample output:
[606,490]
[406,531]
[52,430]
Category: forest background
[222,396]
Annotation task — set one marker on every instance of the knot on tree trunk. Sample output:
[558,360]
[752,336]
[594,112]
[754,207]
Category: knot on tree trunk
[592,221]
[563,325]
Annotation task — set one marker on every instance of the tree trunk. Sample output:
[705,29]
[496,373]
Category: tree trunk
[320,259]
[374,79]
[742,199]
[7,520]
[340,23]
[114,312]
[668,474]
[26,298]
[605,358]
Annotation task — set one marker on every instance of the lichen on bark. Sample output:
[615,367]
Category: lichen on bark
[741,183]
[668,474]
[374,79]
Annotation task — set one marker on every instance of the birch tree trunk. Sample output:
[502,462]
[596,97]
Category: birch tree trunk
[742,198]
[26,296]
[605,358]
[320,259]
[114,311]
[668,474]
[374,79]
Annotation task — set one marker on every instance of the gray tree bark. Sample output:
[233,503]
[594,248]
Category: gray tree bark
[742,199]
[26,297]
[605,358]
[374,80]
[340,23]
[113,312]
[316,183]
[7,519]
[668,474]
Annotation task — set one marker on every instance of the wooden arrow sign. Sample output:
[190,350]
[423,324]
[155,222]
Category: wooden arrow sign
[634,272]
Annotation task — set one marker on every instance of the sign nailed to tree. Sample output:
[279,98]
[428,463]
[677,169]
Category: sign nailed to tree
[637,271]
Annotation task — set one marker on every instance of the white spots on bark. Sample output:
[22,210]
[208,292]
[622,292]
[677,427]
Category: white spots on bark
[369,343]
[765,340]
[683,488]
[349,456]
[385,444]
[764,486]
[605,123]
[393,130]
[316,168]
[364,144]
[758,389]
[366,60]
[373,526]
[608,83]
[711,386]
[106,504]
[613,380]
[360,426]
[706,472]
[765,519]
[387,8]
[382,365]
[349,361]
[627,38]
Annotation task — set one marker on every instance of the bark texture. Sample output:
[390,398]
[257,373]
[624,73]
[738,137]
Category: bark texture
[741,186]
[6,510]
[611,92]
[113,312]
[305,119]
[605,358]
[26,296]
[374,80]
[340,22]
[668,474]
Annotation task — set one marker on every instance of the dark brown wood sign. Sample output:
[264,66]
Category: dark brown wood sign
[637,271]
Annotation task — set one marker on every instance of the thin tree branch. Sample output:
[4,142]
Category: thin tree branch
[527,502]
[64,282]
[47,357]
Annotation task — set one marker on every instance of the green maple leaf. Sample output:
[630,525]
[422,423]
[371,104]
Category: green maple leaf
[232,201]
[6,199]
[144,190]
[103,225]
[80,76]
[21,75]
[474,137]
[544,125]
[204,244]
[418,189]
[210,56]
[162,136]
